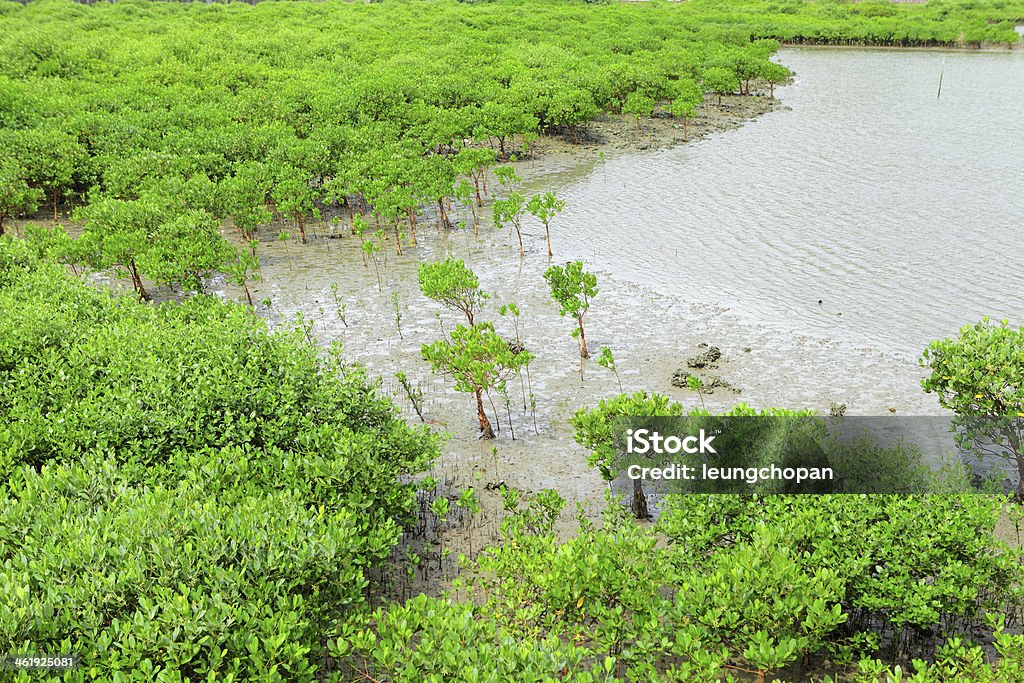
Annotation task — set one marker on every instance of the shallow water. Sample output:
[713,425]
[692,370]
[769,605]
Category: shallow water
[901,212]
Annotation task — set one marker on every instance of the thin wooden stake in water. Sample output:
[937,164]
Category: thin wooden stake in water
[941,71]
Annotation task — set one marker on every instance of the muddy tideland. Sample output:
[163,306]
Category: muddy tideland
[335,288]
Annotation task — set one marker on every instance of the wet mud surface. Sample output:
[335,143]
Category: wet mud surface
[651,336]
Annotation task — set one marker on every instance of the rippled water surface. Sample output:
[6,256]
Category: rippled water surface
[901,211]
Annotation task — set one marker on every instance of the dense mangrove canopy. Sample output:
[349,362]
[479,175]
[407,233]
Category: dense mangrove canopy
[177,116]
[179,468]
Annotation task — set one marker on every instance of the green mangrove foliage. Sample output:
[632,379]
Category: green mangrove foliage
[593,428]
[958,660]
[183,495]
[387,109]
[686,97]
[479,359]
[774,74]
[572,288]
[454,285]
[544,207]
[744,584]
[186,497]
[17,198]
[129,104]
[144,238]
[979,375]
[510,210]
[720,80]
[606,360]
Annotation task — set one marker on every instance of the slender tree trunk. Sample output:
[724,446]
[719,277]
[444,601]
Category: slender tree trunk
[137,281]
[639,504]
[398,239]
[583,340]
[412,225]
[520,236]
[444,216]
[547,232]
[686,129]
[376,268]
[486,432]
[302,225]
[476,184]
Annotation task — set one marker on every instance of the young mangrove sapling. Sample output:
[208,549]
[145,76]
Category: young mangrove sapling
[545,207]
[606,360]
[452,284]
[573,288]
[479,359]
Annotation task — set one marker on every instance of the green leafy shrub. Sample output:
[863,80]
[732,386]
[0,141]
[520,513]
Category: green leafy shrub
[573,288]
[184,495]
[979,375]
[912,560]
[957,660]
